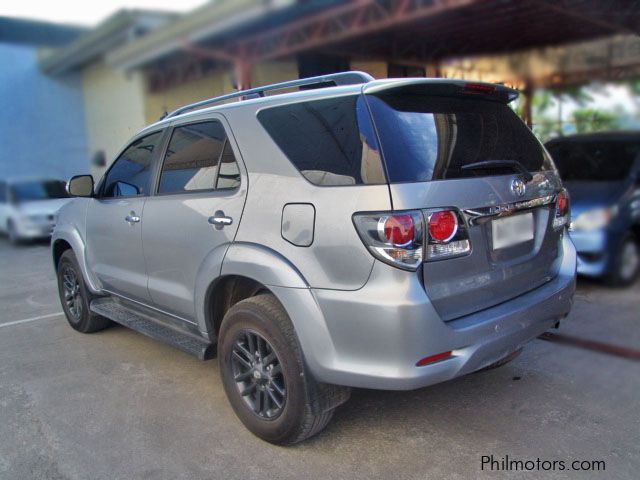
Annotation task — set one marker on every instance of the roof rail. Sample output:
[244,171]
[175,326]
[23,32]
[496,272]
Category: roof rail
[338,79]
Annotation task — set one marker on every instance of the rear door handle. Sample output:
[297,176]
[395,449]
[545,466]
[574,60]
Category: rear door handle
[132,218]
[220,220]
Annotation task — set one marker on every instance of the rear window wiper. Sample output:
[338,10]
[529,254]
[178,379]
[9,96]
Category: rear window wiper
[489,164]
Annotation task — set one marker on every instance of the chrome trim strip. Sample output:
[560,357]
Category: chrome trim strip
[477,216]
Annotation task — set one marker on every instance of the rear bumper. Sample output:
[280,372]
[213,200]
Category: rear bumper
[374,336]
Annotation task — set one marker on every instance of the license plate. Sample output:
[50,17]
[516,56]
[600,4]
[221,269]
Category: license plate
[512,230]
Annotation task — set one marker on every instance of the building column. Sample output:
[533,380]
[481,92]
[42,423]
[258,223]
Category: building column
[242,68]
[526,113]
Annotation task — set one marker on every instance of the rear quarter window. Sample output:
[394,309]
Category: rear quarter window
[331,142]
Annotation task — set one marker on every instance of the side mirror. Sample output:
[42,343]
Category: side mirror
[80,186]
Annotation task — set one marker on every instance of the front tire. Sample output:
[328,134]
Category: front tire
[626,265]
[263,373]
[75,298]
[12,233]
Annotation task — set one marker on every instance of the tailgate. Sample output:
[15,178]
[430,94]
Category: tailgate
[493,272]
[453,146]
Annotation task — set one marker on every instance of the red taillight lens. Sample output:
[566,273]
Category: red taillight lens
[394,238]
[479,88]
[433,358]
[399,229]
[443,225]
[562,210]
[563,203]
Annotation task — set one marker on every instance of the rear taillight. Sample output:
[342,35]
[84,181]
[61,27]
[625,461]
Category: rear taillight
[398,238]
[562,210]
[394,238]
[443,225]
[448,236]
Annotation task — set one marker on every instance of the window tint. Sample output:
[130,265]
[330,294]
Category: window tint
[229,174]
[29,191]
[193,156]
[330,142]
[599,160]
[131,172]
[429,138]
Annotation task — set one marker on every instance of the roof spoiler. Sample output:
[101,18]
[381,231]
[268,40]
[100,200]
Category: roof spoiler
[442,87]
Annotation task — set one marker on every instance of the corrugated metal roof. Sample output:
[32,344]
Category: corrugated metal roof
[119,28]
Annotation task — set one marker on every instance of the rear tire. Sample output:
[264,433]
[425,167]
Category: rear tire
[75,297]
[626,265]
[260,324]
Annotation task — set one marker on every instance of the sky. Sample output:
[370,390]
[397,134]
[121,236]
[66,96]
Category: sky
[86,12]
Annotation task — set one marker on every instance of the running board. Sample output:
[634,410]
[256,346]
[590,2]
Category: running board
[145,323]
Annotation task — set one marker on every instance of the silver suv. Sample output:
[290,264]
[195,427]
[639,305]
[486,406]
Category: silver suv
[386,234]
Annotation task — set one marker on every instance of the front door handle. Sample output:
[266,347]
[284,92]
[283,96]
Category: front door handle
[132,218]
[220,220]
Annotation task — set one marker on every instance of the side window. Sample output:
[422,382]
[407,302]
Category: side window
[229,174]
[331,142]
[3,192]
[195,154]
[131,172]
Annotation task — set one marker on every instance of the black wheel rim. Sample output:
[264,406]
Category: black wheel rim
[71,292]
[258,375]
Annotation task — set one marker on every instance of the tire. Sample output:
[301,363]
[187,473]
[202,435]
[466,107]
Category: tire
[263,317]
[75,298]
[502,361]
[626,265]
[12,234]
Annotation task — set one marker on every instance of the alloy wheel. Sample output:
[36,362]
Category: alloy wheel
[72,293]
[258,375]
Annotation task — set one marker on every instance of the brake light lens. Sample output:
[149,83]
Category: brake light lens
[479,88]
[562,210]
[563,203]
[399,238]
[394,238]
[448,236]
[443,226]
[398,229]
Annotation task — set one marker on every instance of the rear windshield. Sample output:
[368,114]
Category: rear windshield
[331,142]
[595,160]
[430,138]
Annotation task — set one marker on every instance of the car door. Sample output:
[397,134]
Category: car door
[115,217]
[194,214]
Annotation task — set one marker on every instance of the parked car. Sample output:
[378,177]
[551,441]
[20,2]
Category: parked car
[602,173]
[28,207]
[386,234]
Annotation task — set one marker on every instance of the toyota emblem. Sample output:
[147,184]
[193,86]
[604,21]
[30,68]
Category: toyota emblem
[518,187]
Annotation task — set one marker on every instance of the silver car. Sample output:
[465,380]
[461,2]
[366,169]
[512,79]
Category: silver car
[387,234]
